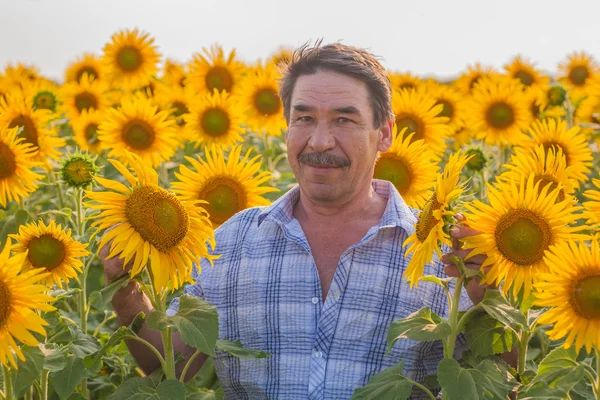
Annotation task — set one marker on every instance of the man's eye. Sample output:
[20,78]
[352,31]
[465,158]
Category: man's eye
[344,120]
[305,118]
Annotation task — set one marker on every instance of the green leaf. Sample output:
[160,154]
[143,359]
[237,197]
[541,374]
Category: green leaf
[196,320]
[82,344]
[560,369]
[389,384]
[60,294]
[29,370]
[66,381]
[93,359]
[238,350]
[100,299]
[171,389]
[500,309]
[422,326]
[55,358]
[205,394]
[486,381]
[443,282]
[542,390]
[487,336]
[76,396]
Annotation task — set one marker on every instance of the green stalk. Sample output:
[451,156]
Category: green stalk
[167,337]
[523,345]
[61,200]
[453,318]
[188,365]
[29,394]
[597,383]
[8,389]
[44,385]
[80,219]
[83,307]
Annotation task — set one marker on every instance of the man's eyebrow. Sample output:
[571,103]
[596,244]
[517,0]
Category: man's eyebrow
[303,108]
[347,110]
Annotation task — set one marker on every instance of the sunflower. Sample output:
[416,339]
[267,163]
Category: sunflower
[89,64]
[547,101]
[525,71]
[138,126]
[588,111]
[21,74]
[467,80]
[212,70]
[573,142]
[214,119]
[408,166]
[259,96]
[576,72]
[592,207]
[174,73]
[517,227]
[417,111]
[152,225]
[20,297]
[405,80]
[41,94]
[87,94]
[131,58]
[281,57]
[50,248]
[570,289]
[549,167]
[177,100]
[14,112]
[224,187]
[452,102]
[85,128]
[429,230]
[17,180]
[498,111]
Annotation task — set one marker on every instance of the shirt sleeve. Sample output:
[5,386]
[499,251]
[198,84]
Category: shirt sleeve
[192,289]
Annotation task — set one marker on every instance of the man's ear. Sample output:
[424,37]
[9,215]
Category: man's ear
[385,136]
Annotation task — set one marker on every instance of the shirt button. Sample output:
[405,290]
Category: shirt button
[318,354]
[315,300]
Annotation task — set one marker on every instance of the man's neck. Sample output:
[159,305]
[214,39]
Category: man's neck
[366,204]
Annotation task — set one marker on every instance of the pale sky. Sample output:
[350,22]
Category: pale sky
[426,37]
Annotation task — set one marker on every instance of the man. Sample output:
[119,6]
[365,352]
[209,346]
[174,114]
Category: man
[315,279]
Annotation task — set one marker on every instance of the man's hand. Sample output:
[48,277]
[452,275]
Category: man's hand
[475,290]
[113,267]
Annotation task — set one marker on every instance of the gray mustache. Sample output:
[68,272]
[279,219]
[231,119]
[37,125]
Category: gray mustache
[324,159]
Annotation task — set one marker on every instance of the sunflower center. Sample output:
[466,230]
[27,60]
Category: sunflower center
[522,236]
[138,134]
[579,75]
[219,78]
[79,172]
[91,133]
[474,81]
[129,59]
[86,100]
[546,180]
[555,147]
[394,170]
[46,252]
[180,109]
[215,122]
[29,131]
[406,86]
[5,303]
[267,101]
[426,219]
[586,297]
[525,77]
[45,100]
[556,96]
[500,116]
[412,124]
[92,73]
[157,216]
[534,109]
[448,110]
[8,163]
[225,197]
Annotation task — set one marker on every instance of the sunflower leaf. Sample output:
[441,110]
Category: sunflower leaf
[443,282]
[487,336]
[500,309]
[486,381]
[196,320]
[560,369]
[65,381]
[542,390]
[143,389]
[92,360]
[101,298]
[422,326]
[28,370]
[237,349]
[389,384]
[205,394]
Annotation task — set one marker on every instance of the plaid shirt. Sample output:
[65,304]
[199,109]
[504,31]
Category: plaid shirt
[267,291]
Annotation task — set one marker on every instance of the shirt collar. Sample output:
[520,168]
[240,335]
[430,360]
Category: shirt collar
[396,214]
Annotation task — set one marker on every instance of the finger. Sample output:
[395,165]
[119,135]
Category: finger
[463,231]
[459,217]
[456,244]
[105,251]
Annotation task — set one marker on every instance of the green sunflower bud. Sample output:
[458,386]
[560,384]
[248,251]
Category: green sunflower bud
[78,170]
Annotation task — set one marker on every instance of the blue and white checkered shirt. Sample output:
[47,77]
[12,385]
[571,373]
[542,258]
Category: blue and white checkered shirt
[267,291]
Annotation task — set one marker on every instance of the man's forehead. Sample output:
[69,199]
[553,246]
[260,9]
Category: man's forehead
[329,90]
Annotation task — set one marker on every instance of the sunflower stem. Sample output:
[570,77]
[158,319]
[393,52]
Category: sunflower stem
[52,178]
[453,318]
[29,394]
[167,336]
[597,383]
[188,365]
[523,345]
[80,218]
[8,389]
[44,385]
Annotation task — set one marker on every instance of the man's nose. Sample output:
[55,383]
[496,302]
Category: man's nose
[322,140]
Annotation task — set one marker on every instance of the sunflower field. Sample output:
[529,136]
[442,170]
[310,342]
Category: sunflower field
[149,156]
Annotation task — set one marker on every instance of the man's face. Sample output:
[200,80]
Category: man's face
[332,143]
